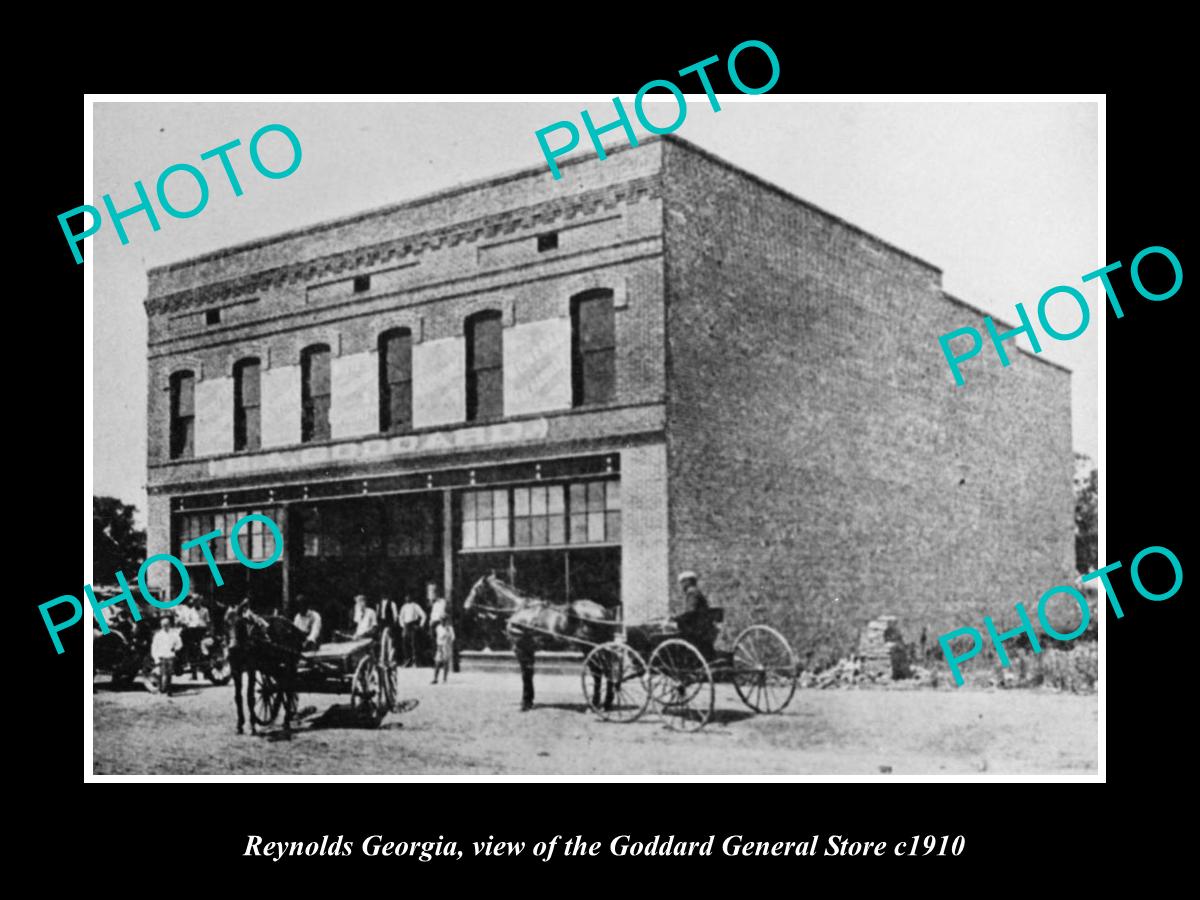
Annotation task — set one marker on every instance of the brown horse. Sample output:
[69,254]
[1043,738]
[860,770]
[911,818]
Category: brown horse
[271,646]
[532,623]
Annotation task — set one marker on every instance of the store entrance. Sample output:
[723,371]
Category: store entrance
[264,587]
[378,546]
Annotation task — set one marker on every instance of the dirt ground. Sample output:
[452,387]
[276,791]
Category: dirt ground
[472,726]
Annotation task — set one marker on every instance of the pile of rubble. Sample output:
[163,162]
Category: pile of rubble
[882,652]
[882,658]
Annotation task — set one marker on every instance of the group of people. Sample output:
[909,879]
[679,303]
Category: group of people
[396,625]
[183,627]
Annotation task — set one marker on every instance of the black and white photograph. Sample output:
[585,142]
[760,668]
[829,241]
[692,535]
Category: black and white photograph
[752,449]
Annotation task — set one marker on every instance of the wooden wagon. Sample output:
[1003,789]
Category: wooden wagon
[338,667]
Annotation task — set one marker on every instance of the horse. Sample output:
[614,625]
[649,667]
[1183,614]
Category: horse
[532,623]
[270,645]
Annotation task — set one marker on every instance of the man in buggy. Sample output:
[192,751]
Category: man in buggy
[698,624]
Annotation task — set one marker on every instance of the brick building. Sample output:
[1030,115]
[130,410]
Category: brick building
[658,362]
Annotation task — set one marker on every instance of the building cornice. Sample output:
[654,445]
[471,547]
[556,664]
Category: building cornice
[539,215]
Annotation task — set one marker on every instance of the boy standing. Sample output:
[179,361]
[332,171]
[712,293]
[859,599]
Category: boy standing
[444,643]
[166,644]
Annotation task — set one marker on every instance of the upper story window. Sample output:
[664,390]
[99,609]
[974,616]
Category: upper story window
[183,414]
[247,404]
[593,348]
[212,317]
[547,242]
[485,366]
[362,283]
[395,380]
[315,391]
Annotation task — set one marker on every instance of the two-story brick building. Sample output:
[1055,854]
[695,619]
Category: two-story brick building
[658,362]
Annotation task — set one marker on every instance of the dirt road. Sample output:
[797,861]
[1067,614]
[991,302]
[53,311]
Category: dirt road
[471,726]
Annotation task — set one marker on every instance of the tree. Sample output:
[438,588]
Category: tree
[117,546]
[1086,515]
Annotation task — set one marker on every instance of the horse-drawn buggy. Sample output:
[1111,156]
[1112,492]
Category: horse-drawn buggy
[654,667]
[630,670]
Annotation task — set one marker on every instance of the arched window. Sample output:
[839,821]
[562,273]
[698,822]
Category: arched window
[395,380]
[314,387]
[247,417]
[593,348]
[183,414]
[485,366]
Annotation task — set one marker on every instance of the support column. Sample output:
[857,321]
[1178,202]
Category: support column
[285,525]
[448,546]
[448,564]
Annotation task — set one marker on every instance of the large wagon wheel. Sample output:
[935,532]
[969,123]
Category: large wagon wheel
[615,683]
[682,685]
[366,691]
[765,669]
[267,699]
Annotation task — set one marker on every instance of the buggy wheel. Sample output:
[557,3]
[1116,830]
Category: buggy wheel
[366,690]
[682,685]
[620,672]
[265,708]
[765,670]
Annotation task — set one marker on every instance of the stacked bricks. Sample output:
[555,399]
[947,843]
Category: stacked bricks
[882,653]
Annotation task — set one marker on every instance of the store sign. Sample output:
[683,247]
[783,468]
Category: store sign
[382,447]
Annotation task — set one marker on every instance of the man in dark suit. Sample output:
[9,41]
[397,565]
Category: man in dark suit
[696,623]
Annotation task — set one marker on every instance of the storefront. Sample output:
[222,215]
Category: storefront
[560,541]
[552,528]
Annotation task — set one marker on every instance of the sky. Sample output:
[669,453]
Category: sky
[1001,196]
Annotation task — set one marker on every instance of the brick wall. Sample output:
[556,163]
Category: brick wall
[158,540]
[823,467]
[639,329]
[609,221]
[645,580]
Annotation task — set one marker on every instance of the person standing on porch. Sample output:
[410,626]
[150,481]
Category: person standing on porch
[438,612]
[412,618]
[365,621]
[437,605]
[444,649]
